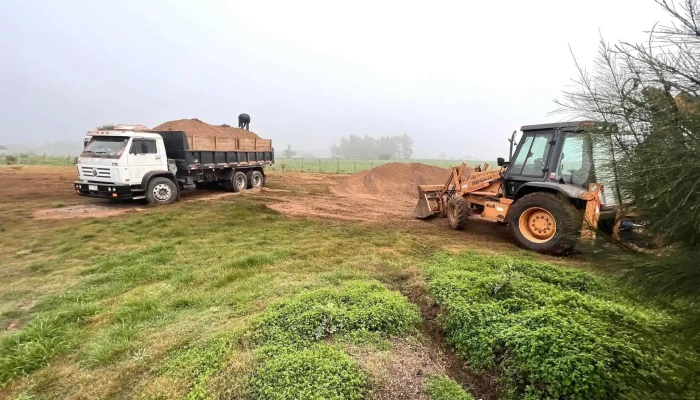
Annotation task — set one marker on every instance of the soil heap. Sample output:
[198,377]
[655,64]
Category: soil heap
[202,129]
[397,180]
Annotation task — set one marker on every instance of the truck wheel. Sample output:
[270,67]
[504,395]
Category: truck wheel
[545,222]
[239,181]
[161,191]
[457,212]
[255,179]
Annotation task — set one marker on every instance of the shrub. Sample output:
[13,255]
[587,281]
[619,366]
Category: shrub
[443,388]
[10,160]
[293,366]
[315,314]
[554,332]
[318,372]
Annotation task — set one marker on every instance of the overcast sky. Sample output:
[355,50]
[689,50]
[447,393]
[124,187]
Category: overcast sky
[456,76]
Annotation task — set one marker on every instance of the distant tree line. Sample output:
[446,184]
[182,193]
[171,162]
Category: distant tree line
[367,147]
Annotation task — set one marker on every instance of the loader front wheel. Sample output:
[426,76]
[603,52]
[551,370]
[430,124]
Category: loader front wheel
[457,212]
[545,222]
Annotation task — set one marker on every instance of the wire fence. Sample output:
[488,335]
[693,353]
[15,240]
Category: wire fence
[325,165]
[340,166]
[36,159]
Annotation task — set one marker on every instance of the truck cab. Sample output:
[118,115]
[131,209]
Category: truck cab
[563,157]
[116,164]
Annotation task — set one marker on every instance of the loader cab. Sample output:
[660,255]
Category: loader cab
[560,153]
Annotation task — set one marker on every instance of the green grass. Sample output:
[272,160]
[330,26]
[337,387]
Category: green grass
[340,166]
[557,333]
[133,291]
[443,388]
[230,299]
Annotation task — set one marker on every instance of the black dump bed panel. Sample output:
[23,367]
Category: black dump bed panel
[178,149]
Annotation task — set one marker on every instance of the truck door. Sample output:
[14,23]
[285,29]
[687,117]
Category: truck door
[143,157]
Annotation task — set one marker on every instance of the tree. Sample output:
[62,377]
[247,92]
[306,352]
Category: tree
[368,147]
[649,94]
[105,127]
[288,152]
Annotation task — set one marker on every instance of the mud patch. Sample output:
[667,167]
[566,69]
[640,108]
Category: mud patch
[401,372]
[87,211]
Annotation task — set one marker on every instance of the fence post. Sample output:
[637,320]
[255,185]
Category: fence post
[371,164]
[302,164]
[319,165]
[355,166]
[337,168]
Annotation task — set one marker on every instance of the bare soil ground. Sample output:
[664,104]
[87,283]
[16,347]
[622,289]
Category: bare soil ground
[47,193]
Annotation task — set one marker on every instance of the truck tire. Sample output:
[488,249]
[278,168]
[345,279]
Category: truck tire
[255,179]
[239,182]
[545,222]
[162,191]
[457,212]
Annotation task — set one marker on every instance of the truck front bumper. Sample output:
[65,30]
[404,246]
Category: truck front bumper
[103,190]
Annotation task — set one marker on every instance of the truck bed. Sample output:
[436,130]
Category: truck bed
[178,148]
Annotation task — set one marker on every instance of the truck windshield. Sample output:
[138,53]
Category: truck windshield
[105,146]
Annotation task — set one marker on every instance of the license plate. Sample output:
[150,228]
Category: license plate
[92,187]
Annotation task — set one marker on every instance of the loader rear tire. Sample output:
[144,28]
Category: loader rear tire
[545,222]
[457,212]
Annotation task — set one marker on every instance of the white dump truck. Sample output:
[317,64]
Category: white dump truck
[132,162]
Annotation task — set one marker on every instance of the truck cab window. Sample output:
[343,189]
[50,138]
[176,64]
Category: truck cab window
[575,162]
[532,157]
[143,146]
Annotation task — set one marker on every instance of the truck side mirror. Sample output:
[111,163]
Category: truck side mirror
[500,161]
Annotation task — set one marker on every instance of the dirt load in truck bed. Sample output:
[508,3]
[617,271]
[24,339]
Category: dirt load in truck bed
[203,136]
[198,128]
[392,180]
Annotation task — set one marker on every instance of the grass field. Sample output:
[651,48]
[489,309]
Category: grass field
[338,166]
[327,165]
[36,159]
[225,298]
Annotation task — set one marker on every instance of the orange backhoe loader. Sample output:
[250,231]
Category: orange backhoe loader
[547,193]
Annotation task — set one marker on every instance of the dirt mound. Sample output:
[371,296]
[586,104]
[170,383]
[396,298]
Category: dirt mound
[202,129]
[392,180]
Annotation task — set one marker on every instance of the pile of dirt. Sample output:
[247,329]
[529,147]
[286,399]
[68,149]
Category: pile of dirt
[202,129]
[397,180]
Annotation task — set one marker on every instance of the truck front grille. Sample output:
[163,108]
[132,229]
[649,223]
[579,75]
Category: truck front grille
[96,172]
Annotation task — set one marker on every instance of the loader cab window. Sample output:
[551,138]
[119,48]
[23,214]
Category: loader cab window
[144,146]
[575,165]
[531,158]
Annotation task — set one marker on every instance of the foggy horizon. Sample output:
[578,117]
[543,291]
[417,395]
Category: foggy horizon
[456,78]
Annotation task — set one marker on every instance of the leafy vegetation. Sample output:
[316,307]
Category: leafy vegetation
[294,366]
[648,94]
[317,372]
[555,333]
[312,315]
[442,388]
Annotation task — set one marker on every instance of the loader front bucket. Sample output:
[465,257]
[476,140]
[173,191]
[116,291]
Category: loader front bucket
[429,201]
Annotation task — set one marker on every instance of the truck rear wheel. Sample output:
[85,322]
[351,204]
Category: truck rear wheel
[161,191]
[545,222]
[255,179]
[239,181]
[457,212]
